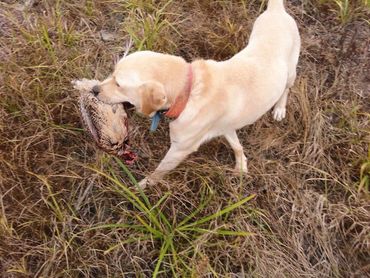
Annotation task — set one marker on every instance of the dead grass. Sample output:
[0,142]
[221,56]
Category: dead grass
[61,218]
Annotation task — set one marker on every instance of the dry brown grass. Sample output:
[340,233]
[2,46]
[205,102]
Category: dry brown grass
[310,173]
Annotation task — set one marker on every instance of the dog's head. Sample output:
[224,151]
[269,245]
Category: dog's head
[134,81]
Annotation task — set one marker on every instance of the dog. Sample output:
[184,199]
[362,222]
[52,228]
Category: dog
[209,98]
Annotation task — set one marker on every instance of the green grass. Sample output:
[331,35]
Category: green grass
[178,241]
[347,10]
[365,174]
[147,24]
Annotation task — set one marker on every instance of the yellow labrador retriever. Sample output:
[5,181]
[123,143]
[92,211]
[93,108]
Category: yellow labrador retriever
[210,98]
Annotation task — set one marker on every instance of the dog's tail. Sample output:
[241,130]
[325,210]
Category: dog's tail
[275,5]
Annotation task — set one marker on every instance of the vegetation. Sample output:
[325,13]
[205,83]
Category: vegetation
[69,210]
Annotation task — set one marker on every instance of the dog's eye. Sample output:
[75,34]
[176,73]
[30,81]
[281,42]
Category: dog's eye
[117,84]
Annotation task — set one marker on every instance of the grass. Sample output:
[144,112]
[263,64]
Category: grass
[152,223]
[365,174]
[347,10]
[69,210]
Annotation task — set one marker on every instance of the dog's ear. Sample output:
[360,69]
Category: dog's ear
[153,97]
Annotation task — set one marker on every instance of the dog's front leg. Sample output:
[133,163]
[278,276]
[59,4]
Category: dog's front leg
[241,160]
[174,156]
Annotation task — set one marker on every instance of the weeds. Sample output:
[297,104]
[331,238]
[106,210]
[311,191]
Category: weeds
[153,224]
[365,174]
[148,24]
[348,10]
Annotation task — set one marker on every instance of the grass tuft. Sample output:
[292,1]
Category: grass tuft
[178,241]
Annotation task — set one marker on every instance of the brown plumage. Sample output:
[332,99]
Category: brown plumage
[107,124]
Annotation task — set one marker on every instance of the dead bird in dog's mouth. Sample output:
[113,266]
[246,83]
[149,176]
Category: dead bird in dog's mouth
[107,124]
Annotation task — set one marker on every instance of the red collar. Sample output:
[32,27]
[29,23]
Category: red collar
[182,99]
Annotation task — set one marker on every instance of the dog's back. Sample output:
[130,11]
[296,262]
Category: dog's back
[275,31]
[262,71]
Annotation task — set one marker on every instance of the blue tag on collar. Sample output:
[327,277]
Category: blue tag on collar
[155,121]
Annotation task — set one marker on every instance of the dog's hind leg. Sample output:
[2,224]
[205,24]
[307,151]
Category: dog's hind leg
[279,111]
[241,160]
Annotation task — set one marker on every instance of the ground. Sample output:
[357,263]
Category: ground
[69,210]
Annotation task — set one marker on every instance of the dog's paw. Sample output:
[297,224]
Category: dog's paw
[279,113]
[145,182]
[240,170]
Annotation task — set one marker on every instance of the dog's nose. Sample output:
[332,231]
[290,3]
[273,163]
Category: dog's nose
[96,90]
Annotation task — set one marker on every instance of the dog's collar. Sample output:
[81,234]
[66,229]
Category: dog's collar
[182,99]
[178,106]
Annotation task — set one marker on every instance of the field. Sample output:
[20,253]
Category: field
[69,210]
